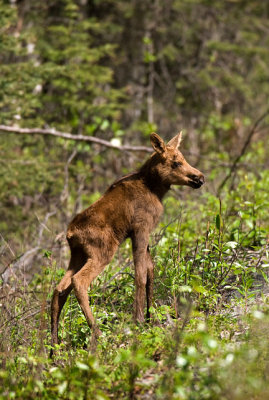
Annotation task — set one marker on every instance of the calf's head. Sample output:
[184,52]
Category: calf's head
[171,166]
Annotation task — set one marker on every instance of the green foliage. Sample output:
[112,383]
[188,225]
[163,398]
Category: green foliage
[192,359]
[56,70]
[207,338]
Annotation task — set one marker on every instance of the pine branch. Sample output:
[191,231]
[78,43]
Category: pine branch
[69,136]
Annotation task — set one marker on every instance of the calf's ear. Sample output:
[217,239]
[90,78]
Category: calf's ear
[175,141]
[157,143]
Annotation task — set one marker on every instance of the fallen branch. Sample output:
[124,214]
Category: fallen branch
[69,136]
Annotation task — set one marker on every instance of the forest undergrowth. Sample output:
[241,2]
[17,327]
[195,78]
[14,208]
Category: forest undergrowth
[208,335]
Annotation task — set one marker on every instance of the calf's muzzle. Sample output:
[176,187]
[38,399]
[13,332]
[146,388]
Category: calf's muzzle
[196,181]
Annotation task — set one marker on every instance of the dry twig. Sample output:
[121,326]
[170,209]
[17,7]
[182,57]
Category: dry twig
[243,150]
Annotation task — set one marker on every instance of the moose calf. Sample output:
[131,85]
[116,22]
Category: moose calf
[131,207]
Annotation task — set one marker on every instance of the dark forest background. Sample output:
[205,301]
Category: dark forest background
[119,70]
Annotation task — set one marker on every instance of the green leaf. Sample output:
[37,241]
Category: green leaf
[82,366]
[62,387]
[232,245]
[218,222]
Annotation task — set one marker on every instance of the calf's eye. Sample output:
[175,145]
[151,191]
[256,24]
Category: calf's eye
[176,164]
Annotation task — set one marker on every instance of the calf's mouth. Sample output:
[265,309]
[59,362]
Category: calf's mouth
[196,181]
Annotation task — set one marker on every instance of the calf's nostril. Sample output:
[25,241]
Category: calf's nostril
[193,177]
[199,179]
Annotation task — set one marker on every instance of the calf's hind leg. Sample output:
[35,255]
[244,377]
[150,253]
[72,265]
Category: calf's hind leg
[80,282]
[60,295]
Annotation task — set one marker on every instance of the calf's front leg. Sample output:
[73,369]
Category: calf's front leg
[140,254]
[149,284]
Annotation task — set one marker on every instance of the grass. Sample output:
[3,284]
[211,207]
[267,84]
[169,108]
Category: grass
[208,335]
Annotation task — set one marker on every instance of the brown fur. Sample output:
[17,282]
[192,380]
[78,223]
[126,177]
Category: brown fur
[131,207]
